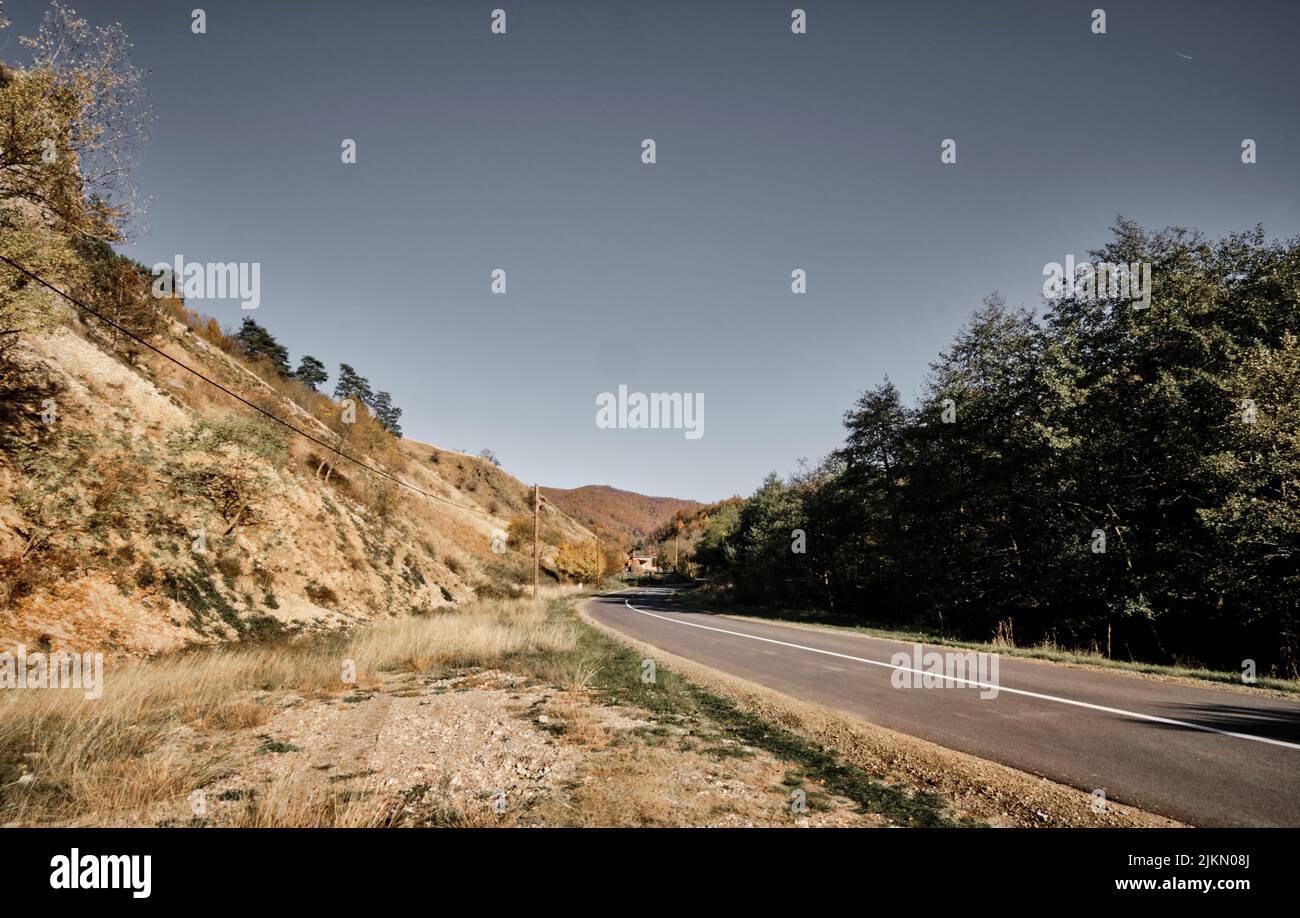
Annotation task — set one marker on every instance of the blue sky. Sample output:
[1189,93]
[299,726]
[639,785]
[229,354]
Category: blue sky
[775,151]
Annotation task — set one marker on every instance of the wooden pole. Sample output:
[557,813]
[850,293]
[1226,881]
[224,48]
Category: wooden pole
[537,547]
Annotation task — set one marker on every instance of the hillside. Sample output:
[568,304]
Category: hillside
[152,511]
[623,517]
[165,481]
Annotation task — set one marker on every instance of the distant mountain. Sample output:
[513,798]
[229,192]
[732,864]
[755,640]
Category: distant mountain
[623,517]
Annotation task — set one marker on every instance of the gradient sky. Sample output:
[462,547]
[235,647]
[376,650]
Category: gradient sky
[775,151]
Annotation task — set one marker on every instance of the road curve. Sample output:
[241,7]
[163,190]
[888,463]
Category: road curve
[1203,756]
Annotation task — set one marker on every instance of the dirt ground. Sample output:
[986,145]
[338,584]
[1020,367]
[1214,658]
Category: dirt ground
[493,749]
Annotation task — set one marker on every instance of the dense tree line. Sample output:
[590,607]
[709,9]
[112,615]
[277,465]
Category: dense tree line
[1102,475]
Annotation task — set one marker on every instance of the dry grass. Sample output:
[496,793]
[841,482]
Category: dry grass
[286,804]
[482,634]
[155,734]
[573,674]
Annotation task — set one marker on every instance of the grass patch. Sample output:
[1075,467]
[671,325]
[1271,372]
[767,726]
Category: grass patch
[275,745]
[673,701]
[118,754]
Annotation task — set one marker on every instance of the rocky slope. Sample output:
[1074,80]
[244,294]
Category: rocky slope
[143,510]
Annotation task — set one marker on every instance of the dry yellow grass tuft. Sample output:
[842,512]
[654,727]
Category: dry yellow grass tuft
[285,804]
[147,739]
[480,634]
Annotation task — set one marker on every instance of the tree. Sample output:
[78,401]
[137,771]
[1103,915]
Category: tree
[577,561]
[520,533]
[713,551]
[387,413]
[26,306]
[855,518]
[68,124]
[72,123]
[352,385]
[257,342]
[1162,452]
[763,538]
[224,465]
[118,289]
[211,332]
[340,424]
[490,456]
[311,372]
[1119,474]
[1256,473]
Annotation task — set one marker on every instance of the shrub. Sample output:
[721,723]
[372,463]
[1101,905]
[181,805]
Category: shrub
[231,566]
[320,594]
[258,436]
[145,575]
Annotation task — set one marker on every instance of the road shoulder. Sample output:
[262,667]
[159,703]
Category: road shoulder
[977,789]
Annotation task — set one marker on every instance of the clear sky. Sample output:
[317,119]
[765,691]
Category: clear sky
[775,151]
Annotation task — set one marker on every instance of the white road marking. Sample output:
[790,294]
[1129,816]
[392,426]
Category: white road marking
[1001,688]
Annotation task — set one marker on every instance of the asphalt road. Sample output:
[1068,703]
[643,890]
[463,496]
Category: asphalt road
[1203,756]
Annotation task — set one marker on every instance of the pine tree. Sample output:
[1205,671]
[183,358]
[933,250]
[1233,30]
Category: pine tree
[311,372]
[256,342]
[387,413]
[352,384]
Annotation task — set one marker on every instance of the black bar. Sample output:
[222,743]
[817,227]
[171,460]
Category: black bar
[923,868]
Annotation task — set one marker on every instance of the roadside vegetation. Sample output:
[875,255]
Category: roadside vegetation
[169,727]
[1104,477]
[673,702]
[156,733]
[720,601]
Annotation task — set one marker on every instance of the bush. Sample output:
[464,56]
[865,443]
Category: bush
[262,438]
[320,594]
[231,566]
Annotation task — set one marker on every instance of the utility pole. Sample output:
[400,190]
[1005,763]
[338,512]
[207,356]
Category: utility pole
[537,545]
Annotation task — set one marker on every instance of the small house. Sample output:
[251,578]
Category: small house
[640,564]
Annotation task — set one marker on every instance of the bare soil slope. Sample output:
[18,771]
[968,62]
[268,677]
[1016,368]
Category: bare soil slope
[143,510]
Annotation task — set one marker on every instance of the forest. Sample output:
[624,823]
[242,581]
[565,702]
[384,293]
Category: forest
[1101,475]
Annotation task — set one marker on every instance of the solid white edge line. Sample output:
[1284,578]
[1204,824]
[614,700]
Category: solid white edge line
[1079,704]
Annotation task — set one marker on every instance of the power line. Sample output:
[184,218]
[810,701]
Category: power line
[184,366]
